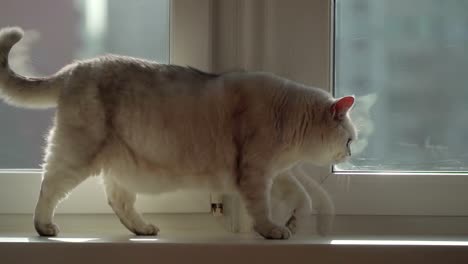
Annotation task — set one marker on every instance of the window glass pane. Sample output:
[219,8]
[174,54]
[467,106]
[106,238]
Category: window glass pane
[58,32]
[407,63]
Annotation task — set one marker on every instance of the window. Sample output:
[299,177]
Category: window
[392,54]
[406,63]
[59,32]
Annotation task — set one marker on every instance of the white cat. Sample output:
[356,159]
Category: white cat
[152,128]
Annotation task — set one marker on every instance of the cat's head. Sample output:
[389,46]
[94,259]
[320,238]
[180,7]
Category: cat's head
[336,133]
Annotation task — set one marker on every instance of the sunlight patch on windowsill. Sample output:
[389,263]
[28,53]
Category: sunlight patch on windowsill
[72,239]
[14,240]
[400,242]
[143,239]
[400,173]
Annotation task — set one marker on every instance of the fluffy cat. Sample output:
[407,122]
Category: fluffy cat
[150,128]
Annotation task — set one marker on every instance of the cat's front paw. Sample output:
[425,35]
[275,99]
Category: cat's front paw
[48,229]
[147,230]
[273,232]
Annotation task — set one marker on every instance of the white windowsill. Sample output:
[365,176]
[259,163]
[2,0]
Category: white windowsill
[201,238]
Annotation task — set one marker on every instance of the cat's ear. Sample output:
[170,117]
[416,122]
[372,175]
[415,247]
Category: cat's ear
[340,107]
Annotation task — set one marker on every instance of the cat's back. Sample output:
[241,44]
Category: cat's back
[120,72]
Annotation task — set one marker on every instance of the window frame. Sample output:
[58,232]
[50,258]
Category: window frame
[19,188]
[354,193]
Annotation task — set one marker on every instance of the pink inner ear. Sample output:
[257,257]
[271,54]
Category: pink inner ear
[342,105]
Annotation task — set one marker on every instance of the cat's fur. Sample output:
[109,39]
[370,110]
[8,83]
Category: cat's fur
[152,128]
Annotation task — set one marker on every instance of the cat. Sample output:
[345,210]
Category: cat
[146,127]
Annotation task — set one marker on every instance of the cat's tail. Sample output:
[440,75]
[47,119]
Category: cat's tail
[24,91]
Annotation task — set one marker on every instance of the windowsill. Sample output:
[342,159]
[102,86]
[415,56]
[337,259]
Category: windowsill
[106,228]
[202,237]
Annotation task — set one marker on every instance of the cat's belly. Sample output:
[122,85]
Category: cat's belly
[146,169]
[144,180]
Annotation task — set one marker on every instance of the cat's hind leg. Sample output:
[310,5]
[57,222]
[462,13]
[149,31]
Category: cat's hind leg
[66,166]
[74,144]
[122,202]
[57,182]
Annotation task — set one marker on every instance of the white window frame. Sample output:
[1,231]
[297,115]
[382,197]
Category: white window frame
[190,44]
